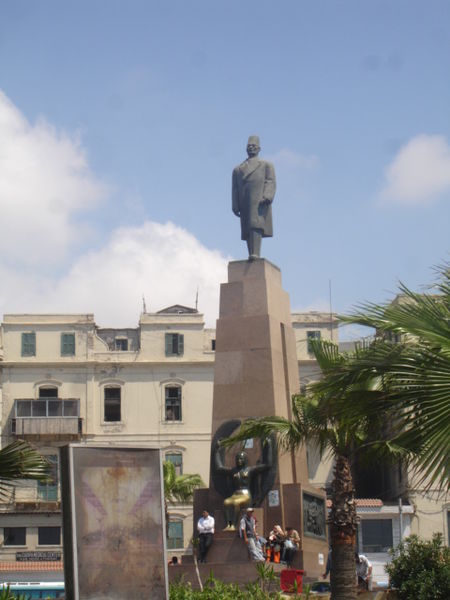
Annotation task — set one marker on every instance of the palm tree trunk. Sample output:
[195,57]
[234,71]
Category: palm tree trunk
[343,525]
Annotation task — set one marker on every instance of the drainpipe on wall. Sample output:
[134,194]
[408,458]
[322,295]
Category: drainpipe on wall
[400,513]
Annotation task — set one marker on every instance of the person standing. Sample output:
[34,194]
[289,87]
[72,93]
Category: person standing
[253,190]
[329,565]
[205,528]
[247,531]
[363,571]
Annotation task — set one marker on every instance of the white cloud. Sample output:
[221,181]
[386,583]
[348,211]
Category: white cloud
[419,172]
[291,160]
[162,261]
[45,185]
[44,182]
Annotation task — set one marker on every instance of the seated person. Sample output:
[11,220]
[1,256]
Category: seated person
[261,541]
[291,545]
[275,543]
[247,531]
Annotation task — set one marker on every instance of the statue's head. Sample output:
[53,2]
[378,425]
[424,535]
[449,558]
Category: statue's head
[253,146]
[241,459]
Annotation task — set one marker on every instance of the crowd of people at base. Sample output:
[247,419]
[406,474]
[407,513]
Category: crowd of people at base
[279,547]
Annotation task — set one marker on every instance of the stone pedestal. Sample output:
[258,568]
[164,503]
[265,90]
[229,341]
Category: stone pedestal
[256,374]
[256,369]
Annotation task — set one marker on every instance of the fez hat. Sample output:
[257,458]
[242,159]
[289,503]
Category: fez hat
[253,139]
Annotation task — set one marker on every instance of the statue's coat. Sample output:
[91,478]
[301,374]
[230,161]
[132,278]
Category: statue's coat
[253,182]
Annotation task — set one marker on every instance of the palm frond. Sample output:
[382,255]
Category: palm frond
[179,488]
[19,460]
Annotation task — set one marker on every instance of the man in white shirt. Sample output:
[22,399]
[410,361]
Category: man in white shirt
[363,571]
[205,528]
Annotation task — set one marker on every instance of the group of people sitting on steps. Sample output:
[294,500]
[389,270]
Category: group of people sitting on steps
[282,545]
[279,547]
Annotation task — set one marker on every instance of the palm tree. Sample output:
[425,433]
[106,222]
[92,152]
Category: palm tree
[178,488]
[412,355]
[19,460]
[318,419]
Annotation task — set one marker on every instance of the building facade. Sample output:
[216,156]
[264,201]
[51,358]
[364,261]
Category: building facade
[64,379]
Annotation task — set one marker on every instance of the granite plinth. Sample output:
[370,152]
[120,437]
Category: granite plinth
[256,374]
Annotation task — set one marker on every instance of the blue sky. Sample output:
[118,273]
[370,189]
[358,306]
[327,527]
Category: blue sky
[120,124]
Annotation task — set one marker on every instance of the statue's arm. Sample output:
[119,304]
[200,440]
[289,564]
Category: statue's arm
[268,457]
[235,194]
[270,184]
[218,461]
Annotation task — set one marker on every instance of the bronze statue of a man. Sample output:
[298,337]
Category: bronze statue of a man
[253,190]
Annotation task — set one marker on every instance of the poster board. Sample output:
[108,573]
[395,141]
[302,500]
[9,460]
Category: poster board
[113,523]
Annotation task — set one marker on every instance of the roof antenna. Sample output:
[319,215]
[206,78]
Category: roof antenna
[144,307]
[331,311]
[196,300]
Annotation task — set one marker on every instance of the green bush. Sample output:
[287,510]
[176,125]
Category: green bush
[214,589]
[420,569]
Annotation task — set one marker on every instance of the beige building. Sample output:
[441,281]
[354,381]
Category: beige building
[64,379]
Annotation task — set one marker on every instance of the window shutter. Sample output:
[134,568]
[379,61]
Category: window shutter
[28,344]
[67,344]
[168,344]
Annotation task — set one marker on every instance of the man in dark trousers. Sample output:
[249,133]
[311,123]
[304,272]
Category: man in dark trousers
[205,528]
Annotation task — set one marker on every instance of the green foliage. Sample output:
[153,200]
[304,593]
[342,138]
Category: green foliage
[20,461]
[414,372]
[6,594]
[179,488]
[215,589]
[420,569]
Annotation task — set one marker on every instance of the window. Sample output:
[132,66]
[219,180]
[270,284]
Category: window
[175,538]
[47,407]
[67,344]
[121,344]
[112,403]
[48,392]
[174,344]
[173,404]
[48,404]
[15,536]
[311,335]
[29,344]
[177,460]
[48,491]
[49,536]
[23,408]
[213,345]
[376,535]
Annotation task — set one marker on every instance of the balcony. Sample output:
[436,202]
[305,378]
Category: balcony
[32,498]
[56,419]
